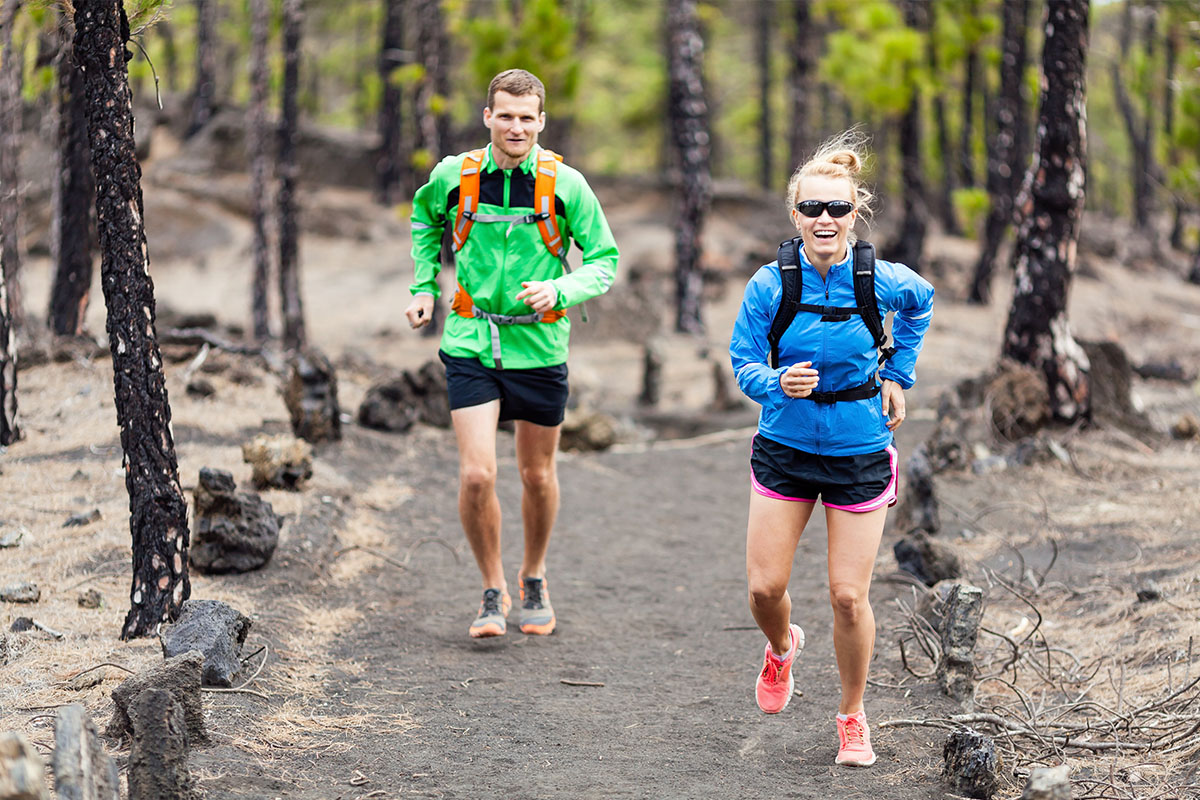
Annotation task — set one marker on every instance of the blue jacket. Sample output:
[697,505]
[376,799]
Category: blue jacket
[843,353]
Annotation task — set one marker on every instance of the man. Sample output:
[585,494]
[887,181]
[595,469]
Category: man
[505,344]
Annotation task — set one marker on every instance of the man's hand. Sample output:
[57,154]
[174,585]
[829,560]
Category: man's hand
[893,403]
[541,296]
[420,311]
[799,380]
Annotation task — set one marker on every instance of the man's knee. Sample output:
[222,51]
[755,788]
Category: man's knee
[539,477]
[477,477]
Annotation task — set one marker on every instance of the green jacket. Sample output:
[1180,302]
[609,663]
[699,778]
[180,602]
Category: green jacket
[497,257]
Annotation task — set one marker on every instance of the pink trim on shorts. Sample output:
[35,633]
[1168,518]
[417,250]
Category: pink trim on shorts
[888,497]
[765,492]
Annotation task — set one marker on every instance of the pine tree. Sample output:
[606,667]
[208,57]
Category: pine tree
[803,54]
[392,160]
[1003,175]
[158,510]
[74,199]
[688,113]
[10,149]
[294,336]
[203,104]
[1038,332]
[910,242]
[257,138]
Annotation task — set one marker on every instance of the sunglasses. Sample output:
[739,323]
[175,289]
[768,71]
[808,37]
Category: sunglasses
[814,208]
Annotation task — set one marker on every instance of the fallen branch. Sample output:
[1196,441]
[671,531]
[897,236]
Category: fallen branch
[570,682]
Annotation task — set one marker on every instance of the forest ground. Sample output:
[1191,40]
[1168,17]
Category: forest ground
[371,688]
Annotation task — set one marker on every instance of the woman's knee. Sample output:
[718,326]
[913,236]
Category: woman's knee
[848,601]
[765,592]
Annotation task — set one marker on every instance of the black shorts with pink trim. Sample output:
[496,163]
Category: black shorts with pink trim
[851,483]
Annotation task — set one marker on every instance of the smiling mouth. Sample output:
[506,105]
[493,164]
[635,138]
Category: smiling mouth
[825,234]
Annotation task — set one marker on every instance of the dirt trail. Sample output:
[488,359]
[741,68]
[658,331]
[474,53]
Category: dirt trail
[647,576]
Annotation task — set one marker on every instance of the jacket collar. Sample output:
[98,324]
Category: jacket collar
[804,262]
[527,166]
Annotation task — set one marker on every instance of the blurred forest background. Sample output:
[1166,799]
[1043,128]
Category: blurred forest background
[778,77]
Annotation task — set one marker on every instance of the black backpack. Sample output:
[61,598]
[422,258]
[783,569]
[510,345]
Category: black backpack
[867,306]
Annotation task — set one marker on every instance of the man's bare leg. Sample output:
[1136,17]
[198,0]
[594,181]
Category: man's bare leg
[478,505]
[537,446]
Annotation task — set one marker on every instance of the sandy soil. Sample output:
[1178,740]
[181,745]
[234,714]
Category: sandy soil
[370,687]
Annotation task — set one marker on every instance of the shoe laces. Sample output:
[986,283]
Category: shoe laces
[491,602]
[770,671]
[856,734]
[533,592]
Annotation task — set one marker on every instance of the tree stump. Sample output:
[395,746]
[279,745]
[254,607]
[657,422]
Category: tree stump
[279,462]
[928,560]
[961,615]
[652,364]
[235,531]
[158,757]
[216,630]
[21,770]
[181,677]
[1048,783]
[311,397]
[396,404]
[970,764]
[82,769]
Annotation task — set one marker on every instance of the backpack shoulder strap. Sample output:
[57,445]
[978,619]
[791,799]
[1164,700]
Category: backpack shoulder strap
[543,203]
[789,301]
[865,298]
[544,213]
[468,197]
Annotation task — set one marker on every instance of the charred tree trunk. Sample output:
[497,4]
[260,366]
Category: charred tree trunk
[257,138]
[74,195]
[688,112]
[202,105]
[763,23]
[10,429]
[911,241]
[804,67]
[966,157]
[1038,332]
[1140,131]
[294,336]
[10,174]
[431,54]
[158,510]
[1003,177]
[1169,89]
[945,191]
[392,159]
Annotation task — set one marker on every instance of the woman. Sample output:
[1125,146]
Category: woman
[835,444]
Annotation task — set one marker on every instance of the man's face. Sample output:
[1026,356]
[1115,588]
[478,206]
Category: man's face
[515,123]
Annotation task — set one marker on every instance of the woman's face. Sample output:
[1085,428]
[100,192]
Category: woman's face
[824,236]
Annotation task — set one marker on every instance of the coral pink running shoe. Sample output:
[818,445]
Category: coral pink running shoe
[854,741]
[773,690]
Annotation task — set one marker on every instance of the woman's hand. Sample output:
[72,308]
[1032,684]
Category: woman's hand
[799,380]
[893,403]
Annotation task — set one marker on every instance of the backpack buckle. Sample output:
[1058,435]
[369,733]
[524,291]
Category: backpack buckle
[833,314]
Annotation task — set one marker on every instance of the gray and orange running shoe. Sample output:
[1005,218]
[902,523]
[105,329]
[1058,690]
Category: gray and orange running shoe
[536,613]
[492,611]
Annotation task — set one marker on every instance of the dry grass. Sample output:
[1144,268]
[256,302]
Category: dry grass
[1061,550]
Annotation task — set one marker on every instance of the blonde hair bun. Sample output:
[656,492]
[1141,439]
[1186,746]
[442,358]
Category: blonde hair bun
[842,156]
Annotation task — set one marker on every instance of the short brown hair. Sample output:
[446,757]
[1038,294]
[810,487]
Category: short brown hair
[518,83]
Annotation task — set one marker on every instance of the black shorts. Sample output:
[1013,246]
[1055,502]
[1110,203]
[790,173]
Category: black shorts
[851,483]
[536,395]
